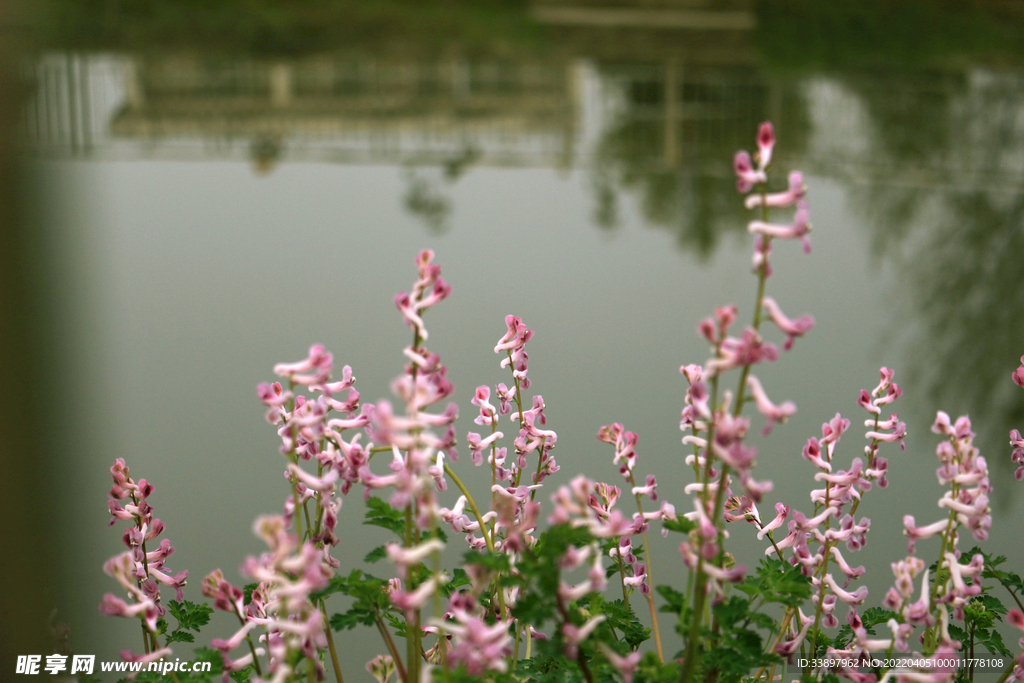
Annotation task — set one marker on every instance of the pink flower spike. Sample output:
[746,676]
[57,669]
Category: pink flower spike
[1016,617]
[791,328]
[1018,453]
[774,414]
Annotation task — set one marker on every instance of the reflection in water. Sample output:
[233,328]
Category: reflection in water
[945,197]
[266,151]
[425,199]
[934,157]
[671,135]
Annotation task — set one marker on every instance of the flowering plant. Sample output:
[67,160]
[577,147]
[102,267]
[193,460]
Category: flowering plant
[531,597]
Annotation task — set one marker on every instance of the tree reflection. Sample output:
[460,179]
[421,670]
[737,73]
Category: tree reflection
[945,200]
[671,136]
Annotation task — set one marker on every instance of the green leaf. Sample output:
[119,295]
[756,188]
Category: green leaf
[681,525]
[459,579]
[619,617]
[993,642]
[375,555]
[498,562]
[379,513]
[242,676]
[976,615]
[674,599]
[778,582]
[209,654]
[190,615]
[730,611]
[876,615]
[352,618]
[843,637]
[181,637]
[992,604]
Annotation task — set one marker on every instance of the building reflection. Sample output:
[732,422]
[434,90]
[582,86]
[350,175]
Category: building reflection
[650,104]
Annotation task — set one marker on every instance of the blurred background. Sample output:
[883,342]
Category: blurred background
[198,190]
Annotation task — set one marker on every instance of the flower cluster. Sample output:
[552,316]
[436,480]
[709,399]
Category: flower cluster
[281,605]
[813,540]
[139,570]
[517,577]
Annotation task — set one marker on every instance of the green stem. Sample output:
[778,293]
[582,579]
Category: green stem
[540,461]
[252,647]
[824,570]
[515,652]
[483,526]
[330,646]
[622,576]
[650,579]
[392,648]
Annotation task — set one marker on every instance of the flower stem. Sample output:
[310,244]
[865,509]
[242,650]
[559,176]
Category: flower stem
[330,646]
[622,576]
[483,526]
[390,643]
[650,579]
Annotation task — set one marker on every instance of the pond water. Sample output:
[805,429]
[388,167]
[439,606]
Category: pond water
[212,215]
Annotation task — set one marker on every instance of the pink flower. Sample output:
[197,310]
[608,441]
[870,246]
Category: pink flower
[781,513]
[574,635]
[798,229]
[775,414]
[626,666]
[488,414]
[787,648]
[1018,453]
[225,596]
[318,364]
[750,349]
[765,144]
[477,445]
[746,176]
[778,200]
[791,328]
[1018,374]
[381,667]
[479,646]
[812,453]
[916,533]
